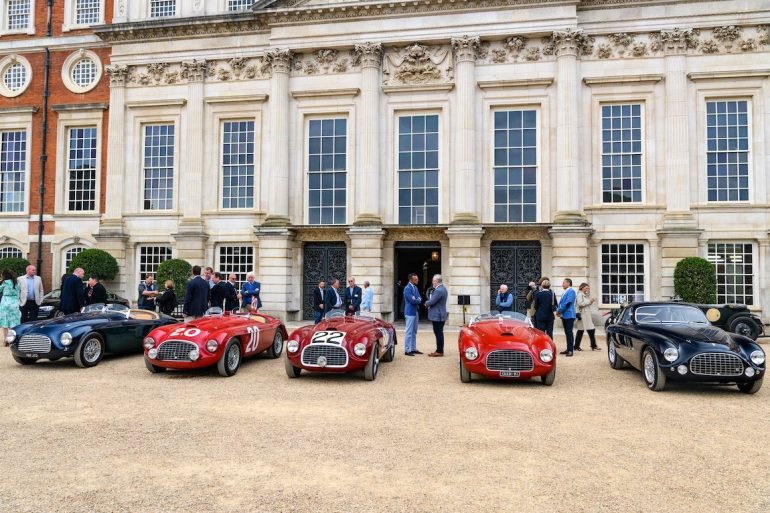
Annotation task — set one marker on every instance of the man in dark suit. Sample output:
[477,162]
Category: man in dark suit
[72,294]
[318,302]
[332,299]
[96,294]
[196,297]
[353,295]
[544,305]
[219,291]
[231,300]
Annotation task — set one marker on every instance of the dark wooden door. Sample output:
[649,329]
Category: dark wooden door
[515,263]
[321,261]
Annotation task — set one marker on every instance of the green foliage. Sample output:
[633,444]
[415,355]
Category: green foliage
[95,261]
[176,270]
[695,280]
[17,266]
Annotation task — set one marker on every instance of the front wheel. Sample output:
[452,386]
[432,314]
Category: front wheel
[751,387]
[616,362]
[465,374]
[153,368]
[277,347]
[746,326]
[230,361]
[653,374]
[291,370]
[391,354]
[549,378]
[373,365]
[24,361]
[89,351]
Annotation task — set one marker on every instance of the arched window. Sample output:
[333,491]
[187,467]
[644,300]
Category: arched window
[10,252]
[69,255]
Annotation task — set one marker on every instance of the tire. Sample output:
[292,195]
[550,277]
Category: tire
[291,370]
[391,354]
[465,374]
[24,361]
[153,368]
[616,362]
[276,348]
[653,374]
[231,358]
[373,365]
[751,387]
[744,325]
[89,351]
[549,378]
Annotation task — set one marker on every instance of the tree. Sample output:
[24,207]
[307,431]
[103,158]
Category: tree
[695,280]
[176,270]
[95,261]
[17,266]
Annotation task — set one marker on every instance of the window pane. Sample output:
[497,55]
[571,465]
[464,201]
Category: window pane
[623,277]
[238,260]
[160,8]
[327,170]
[621,154]
[158,167]
[13,170]
[18,14]
[150,257]
[727,142]
[87,12]
[418,168]
[81,169]
[515,146]
[734,271]
[238,164]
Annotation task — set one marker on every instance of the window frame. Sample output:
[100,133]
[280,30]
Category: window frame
[175,167]
[754,264]
[70,16]
[4,30]
[221,120]
[9,248]
[10,126]
[67,170]
[643,142]
[77,119]
[703,171]
[306,165]
[7,62]
[69,66]
[66,249]
[233,244]
[138,255]
[443,146]
[645,278]
[151,17]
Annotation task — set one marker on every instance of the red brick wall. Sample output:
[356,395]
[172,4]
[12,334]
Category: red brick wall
[57,20]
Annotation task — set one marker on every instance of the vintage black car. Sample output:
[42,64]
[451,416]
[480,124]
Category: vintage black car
[50,305]
[734,318]
[86,336]
[675,341]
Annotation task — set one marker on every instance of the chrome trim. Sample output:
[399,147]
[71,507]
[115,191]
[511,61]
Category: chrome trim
[175,351]
[509,360]
[34,343]
[716,364]
[326,350]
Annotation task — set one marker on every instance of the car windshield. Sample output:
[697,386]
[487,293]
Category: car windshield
[335,314]
[366,316]
[660,314]
[54,294]
[101,307]
[494,315]
[214,311]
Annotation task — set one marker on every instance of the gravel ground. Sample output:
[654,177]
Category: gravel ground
[117,439]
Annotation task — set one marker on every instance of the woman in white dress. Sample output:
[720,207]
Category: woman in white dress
[584,302]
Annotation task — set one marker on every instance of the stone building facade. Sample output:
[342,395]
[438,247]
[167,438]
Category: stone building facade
[74,148]
[601,140]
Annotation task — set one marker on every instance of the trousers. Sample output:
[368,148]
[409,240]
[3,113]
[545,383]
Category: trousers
[438,331]
[410,336]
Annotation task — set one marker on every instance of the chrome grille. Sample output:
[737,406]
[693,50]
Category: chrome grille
[335,355]
[509,360]
[175,351]
[716,364]
[35,344]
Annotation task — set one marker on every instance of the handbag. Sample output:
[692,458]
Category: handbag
[579,317]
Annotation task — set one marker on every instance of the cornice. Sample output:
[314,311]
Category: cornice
[624,79]
[515,83]
[177,28]
[732,74]
[245,98]
[315,93]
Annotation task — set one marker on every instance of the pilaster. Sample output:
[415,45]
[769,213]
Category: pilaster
[112,221]
[278,179]
[675,244]
[366,258]
[570,246]
[465,269]
[281,282]
[191,187]
[763,298]
[111,239]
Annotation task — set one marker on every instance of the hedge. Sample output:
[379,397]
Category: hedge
[177,270]
[95,261]
[695,280]
[17,266]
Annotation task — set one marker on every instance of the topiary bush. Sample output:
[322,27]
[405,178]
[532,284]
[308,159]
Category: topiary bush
[95,261]
[695,280]
[17,266]
[176,270]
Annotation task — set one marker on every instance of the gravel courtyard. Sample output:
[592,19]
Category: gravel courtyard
[117,439]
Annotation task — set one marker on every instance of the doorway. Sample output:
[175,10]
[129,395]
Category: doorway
[321,261]
[514,263]
[421,258]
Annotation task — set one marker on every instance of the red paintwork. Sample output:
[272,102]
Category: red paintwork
[491,335]
[356,330]
[222,329]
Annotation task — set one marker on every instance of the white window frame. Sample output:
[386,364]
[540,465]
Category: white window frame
[6,63]
[646,278]
[67,249]
[175,167]
[4,20]
[76,119]
[306,166]
[225,4]
[220,268]
[750,151]
[221,166]
[643,141]
[754,263]
[139,271]
[70,16]
[69,64]
[20,122]
[11,247]
[148,11]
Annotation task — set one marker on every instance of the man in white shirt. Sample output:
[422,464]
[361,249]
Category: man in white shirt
[30,294]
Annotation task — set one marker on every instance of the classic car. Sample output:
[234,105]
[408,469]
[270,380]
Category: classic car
[221,339]
[669,340]
[506,346]
[49,307]
[86,336]
[341,343]
[734,318]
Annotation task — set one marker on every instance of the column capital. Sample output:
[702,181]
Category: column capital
[194,71]
[279,59]
[118,74]
[465,48]
[677,40]
[369,54]
[571,42]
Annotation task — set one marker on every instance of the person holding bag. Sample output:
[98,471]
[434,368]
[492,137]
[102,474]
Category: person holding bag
[584,301]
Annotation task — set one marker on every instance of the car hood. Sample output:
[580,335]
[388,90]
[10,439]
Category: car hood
[77,318]
[689,333]
[507,331]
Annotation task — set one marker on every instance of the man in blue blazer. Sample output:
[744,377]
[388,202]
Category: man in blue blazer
[353,296]
[412,301]
[566,311]
[437,313]
[73,295]
[196,297]
[332,299]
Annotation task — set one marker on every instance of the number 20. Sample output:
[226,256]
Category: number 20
[253,332]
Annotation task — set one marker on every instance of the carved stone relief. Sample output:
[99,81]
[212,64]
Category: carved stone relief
[164,73]
[324,62]
[417,64]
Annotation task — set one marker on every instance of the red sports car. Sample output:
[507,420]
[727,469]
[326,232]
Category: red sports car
[341,343]
[506,346]
[219,338]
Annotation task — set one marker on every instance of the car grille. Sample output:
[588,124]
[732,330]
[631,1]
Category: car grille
[716,364]
[509,360]
[175,351]
[35,344]
[335,355]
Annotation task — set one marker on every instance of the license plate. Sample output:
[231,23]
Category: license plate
[31,355]
[510,374]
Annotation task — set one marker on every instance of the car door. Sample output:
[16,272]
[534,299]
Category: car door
[623,333]
[127,335]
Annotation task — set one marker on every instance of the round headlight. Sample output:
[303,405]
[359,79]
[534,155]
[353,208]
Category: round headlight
[194,354]
[152,353]
[292,346]
[10,336]
[148,342]
[671,354]
[750,372]
[359,349]
[682,369]
[66,339]
[212,346]
[471,353]
[546,355]
[758,357]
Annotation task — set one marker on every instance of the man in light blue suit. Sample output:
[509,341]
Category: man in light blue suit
[412,300]
[566,311]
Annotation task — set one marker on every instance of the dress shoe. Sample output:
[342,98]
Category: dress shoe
[409,354]
[417,352]
[566,353]
[435,354]
[578,349]
[595,348]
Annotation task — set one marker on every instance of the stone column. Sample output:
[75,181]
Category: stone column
[191,177]
[366,257]
[464,191]
[465,265]
[278,180]
[280,282]
[567,44]
[368,171]
[569,254]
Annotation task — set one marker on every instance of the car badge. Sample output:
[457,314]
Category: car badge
[322,361]
[713,344]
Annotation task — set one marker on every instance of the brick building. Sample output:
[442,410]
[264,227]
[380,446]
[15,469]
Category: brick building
[71,152]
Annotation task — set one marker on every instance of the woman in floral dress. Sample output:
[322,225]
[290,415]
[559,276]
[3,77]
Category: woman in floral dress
[10,315]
